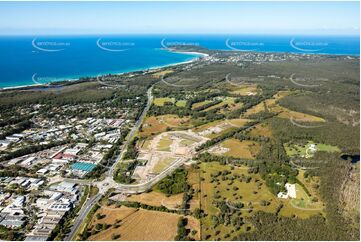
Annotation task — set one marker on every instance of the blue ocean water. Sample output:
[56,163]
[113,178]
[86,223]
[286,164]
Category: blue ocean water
[29,60]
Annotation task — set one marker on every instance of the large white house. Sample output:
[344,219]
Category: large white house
[290,191]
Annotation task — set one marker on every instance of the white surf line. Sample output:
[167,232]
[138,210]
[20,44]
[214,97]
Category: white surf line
[165,47]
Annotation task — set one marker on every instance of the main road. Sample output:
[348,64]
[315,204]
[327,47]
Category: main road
[82,215]
[109,182]
[133,131]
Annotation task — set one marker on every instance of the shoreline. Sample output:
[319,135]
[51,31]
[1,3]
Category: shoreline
[49,85]
[196,58]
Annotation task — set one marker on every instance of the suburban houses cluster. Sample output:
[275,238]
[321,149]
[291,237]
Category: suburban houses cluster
[39,188]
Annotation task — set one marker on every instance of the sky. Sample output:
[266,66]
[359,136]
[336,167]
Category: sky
[34,18]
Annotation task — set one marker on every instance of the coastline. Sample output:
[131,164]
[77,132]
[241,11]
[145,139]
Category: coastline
[69,80]
[199,56]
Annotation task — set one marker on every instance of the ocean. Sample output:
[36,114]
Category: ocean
[30,60]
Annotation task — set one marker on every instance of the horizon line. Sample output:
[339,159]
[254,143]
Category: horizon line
[180,33]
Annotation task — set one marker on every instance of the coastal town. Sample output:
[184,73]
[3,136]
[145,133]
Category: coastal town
[42,194]
[179,120]
[70,155]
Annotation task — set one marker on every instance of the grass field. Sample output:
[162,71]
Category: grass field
[255,109]
[161,100]
[194,181]
[158,124]
[207,126]
[241,149]
[239,122]
[269,103]
[272,106]
[226,100]
[246,90]
[154,198]
[144,144]
[304,201]
[253,194]
[303,117]
[199,104]
[181,103]
[111,213]
[303,206]
[250,194]
[303,150]
[162,164]
[162,73]
[141,225]
[261,130]
[231,107]
[219,127]
[164,143]
[187,142]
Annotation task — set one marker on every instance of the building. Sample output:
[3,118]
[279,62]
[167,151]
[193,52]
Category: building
[289,193]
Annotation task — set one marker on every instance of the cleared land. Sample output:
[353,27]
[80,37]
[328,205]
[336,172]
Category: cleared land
[246,90]
[241,149]
[273,106]
[181,103]
[245,149]
[157,124]
[193,180]
[162,100]
[200,104]
[141,225]
[157,199]
[163,163]
[303,201]
[219,127]
[261,130]
[225,100]
[164,143]
[306,150]
[162,73]
[165,149]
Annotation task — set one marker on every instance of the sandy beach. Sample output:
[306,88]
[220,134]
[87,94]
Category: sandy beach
[202,55]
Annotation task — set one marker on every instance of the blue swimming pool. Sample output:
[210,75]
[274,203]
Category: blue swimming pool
[83,166]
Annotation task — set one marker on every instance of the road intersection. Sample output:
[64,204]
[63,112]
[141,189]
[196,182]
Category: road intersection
[108,182]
